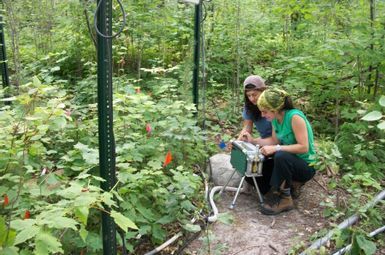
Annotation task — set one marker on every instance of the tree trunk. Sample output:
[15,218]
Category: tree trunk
[139,59]
[14,35]
[238,30]
[371,69]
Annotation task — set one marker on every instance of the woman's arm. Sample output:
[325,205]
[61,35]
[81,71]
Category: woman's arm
[247,126]
[246,136]
[261,141]
[246,130]
[300,132]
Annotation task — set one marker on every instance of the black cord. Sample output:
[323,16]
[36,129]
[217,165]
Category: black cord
[187,242]
[121,233]
[121,27]
[123,242]
[204,11]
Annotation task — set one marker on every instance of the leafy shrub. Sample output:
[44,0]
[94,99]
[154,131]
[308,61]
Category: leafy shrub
[49,168]
[362,146]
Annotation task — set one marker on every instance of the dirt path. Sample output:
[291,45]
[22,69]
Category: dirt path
[253,233]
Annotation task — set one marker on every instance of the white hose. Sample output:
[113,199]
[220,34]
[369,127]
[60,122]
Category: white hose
[215,189]
[212,218]
[346,223]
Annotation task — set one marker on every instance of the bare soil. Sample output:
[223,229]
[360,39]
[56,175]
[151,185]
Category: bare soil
[253,233]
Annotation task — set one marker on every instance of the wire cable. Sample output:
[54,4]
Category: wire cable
[204,12]
[121,27]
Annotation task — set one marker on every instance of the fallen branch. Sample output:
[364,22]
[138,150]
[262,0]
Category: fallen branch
[322,186]
[272,247]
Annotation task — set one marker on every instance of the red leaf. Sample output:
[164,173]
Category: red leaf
[27,215]
[148,128]
[68,112]
[168,159]
[6,200]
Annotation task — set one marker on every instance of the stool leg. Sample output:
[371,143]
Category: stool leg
[227,183]
[237,193]
[258,191]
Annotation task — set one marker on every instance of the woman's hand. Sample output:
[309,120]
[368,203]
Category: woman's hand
[245,136]
[268,150]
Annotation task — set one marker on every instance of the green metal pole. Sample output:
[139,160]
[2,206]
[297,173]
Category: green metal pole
[105,121]
[197,29]
[3,54]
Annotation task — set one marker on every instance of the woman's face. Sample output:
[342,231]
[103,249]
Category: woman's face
[253,95]
[268,114]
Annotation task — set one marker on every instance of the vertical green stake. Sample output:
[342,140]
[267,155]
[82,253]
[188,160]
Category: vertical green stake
[105,121]
[197,29]
[3,55]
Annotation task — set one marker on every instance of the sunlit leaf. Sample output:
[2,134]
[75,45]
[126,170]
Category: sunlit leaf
[91,156]
[63,222]
[55,68]
[83,233]
[36,82]
[8,99]
[25,234]
[122,221]
[22,224]
[10,251]
[226,218]
[7,236]
[107,198]
[191,227]
[381,125]
[382,101]
[82,214]
[372,116]
[46,243]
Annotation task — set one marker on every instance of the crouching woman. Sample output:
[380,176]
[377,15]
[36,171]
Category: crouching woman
[292,144]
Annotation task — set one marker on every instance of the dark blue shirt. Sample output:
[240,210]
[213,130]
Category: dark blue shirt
[262,125]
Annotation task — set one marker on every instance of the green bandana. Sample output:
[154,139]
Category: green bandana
[272,99]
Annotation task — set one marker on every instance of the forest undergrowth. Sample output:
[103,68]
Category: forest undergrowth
[329,55]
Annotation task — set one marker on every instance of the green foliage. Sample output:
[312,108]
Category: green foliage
[208,247]
[328,54]
[328,156]
[49,164]
[296,248]
[331,211]
[376,115]
[367,152]
[361,245]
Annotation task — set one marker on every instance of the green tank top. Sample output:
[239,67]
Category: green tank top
[285,134]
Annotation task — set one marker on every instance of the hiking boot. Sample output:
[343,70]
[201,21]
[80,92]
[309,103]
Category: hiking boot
[271,197]
[284,203]
[296,189]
